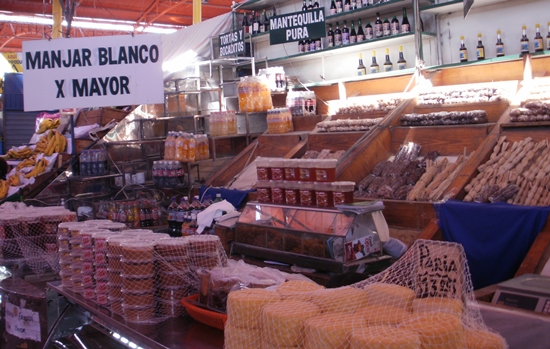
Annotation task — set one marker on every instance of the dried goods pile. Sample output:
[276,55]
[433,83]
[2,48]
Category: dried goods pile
[516,173]
[368,106]
[410,178]
[323,154]
[470,95]
[531,111]
[347,125]
[445,118]
[412,304]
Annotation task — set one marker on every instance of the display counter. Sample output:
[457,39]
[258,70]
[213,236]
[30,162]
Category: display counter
[173,333]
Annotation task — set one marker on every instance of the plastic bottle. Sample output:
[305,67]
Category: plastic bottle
[182,208]
[191,148]
[169,146]
[218,198]
[172,212]
[179,153]
[84,163]
[122,213]
[135,209]
[196,204]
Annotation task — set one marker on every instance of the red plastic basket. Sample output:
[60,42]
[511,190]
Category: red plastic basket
[205,316]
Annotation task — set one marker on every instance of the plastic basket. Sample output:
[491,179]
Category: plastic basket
[205,316]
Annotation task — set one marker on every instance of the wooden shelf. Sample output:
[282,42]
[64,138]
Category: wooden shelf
[456,5]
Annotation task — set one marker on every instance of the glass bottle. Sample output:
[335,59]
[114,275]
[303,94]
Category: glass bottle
[499,45]
[263,22]
[306,45]
[480,49]
[388,65]
[337,36]
[524,42]
[347,5]
[353,5]
[378,27]
[312,46]
[361,69]
[345,34]
[339,6]
[463,53]
[318,44]
[218,198]
[352,34]
[304,5]
[246,29]
[386,27]
[405,26]
[332,10]
[316,4]
[255,23]
[129,215]
[330,36]
[360,32]
[548,38]
[401,62]
[538,42]
[395,28]
[369,32]
[374,68]
[310,6]
[301,47]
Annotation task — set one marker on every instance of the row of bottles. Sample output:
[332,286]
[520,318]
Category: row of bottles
[257,23]
[182,146]
[301,103]
[182,217]
[168,174]
[345,36]
[313,44]
[135,214]
[339,6]
[94,162]
[279,120]
[499,46]
[387,66]
[223,123]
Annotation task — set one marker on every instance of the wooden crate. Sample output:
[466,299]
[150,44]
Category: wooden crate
[112,114]
[306,122]
[89,117]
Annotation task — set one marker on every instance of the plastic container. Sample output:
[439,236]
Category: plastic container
[132,284]
[114,226]
[207,317]
[32,225]
[100,258]
[63,229]
[292,193]
[102,299]
[307,194]
[173,264]
[101,274]
[88,293]
[66,279]
[88,280]
[170,248]
[325,170]
[114,241]
[342,192]
[277,192]
[138,251]
[63,243]
[114,262]
[87,267]
[138,299]
[87,255]
[263,169]
[277,169]
[115,277]
[115,304]
[138,315]
[306,170]
[140,270]
[172,279]
[65,257]
[102,287]
[291,169]
[171,294]
[263,189]
[100,241]
[323,194]
[115,291]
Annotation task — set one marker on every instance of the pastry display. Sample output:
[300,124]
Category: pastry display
[464,96]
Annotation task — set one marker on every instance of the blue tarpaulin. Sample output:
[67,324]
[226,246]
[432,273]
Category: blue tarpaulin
[496,237]
[233,196]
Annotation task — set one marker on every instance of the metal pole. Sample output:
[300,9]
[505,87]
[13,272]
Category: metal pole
[417,38]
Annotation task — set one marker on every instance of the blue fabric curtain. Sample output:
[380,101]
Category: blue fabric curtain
[496,237]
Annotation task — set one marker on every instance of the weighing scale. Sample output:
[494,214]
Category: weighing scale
[528,291]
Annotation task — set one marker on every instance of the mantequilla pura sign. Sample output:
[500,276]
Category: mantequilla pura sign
[297,26]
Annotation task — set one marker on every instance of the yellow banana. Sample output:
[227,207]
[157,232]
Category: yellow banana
[3,189]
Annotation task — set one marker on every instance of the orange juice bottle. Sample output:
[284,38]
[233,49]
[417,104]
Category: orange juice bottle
[169,146]
[179,147]
[185,147]
[231,123]
[241,90]
[191,148]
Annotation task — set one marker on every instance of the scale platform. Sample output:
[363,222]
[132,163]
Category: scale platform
[528,291]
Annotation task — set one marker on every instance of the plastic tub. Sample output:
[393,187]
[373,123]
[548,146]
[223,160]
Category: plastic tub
[138,251]
[263,189]
[323,194]
[306,170]
[170,308]
[170,248]
[101,274]
[291,169]
[172,279]
[277,169]
[342,192]
[87,267]
[87,255]
[131,284]
[102,287]
[115,277]
[292,193]
[325,170]
[277,192]
[140,270]
[172,264]
[307,194]
[100,240]
[138,299]
[263,169]
[172,294]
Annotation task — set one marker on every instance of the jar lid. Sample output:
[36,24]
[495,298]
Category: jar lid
[343,186]
[277,162]
[291,162]
[173,242]
[136,231]
[326,186]
[138,244]
[262,162]
[325,163]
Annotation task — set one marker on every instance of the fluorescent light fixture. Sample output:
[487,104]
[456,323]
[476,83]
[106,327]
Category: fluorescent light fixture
[91,23]
[176,64]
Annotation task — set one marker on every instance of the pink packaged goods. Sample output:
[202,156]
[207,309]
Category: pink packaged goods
[101,273]
[102,287]
[263,189]
[100,258]
[325,170]
[291,169]
[277,169]
[323,194]
[100,241]
[342,192]
[263,170]
[102,299]
[87,255]
[88,280]
[277,192]
[307,194]
[89,293]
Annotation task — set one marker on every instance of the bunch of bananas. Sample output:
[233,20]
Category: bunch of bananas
[27,163]
[4,186]
[53,142]
[38,168]
[14,180]
[19,154]
[47,124]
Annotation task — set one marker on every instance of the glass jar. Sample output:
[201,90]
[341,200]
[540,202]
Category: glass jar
[307,194]
[263,189]
[277,169]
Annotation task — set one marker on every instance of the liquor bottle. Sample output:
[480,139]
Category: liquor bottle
[369,33]
[255,23]
[395,28]
[301,47]
[246,25]
[360,32]
[352,34]
[388,65]
[330,36]
[304,5]
[538,42]
[386,27]
[480,49]
[262,23]
[354,5]
[548,38]
[405,26]
[361,69]
[347,5]
[499,46]
[312,46]
[316,4]
[318,44]
[463,54]
[339,6]
[306,45]
[524,42]
[345,34]
[337,36]
[374,68]
[274,12]
[401,62]
[378,27]
[310,6]
[332,10]
[266,22]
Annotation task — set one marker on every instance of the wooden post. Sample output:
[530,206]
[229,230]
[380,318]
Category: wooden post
[57,14]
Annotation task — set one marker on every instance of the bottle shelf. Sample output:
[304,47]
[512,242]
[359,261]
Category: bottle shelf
[456,5]
[384,7]
[356,47]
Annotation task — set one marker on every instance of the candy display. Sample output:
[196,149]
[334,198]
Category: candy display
[461,96]
[362,106]
[531,111]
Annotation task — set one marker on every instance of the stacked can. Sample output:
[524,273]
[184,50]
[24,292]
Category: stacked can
[172,266]
[101,275]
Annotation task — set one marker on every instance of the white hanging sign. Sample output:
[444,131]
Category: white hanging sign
[92,72]
[22,323]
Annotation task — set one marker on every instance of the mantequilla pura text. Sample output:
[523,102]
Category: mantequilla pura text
[296,23]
